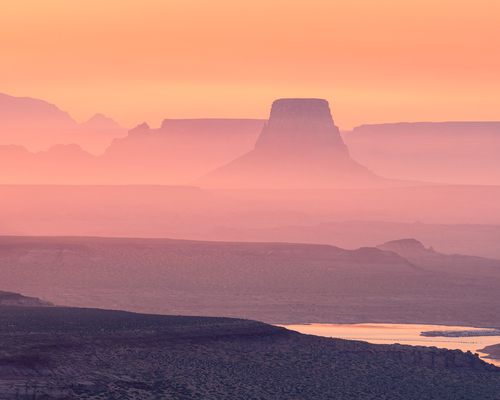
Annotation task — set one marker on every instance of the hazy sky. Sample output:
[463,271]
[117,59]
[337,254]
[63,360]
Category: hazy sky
[373,60]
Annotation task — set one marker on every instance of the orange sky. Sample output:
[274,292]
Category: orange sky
[374,61]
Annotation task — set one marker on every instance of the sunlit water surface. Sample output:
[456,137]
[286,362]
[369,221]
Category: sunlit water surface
[403,334]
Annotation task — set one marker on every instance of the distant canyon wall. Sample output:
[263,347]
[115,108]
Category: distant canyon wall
[177,153]
[298,147]
[444,152]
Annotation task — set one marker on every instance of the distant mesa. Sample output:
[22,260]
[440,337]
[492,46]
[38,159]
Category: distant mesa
[410,249]
[180,151]
[407,244]
[299,148]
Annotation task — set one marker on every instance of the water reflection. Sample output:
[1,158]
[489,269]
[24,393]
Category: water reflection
[403,334]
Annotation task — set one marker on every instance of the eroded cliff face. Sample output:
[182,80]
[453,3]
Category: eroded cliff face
[301,126]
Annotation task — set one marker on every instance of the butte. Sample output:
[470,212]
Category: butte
[299,148]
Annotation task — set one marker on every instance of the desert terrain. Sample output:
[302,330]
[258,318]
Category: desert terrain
[75,353]
[206,226]
[180,181]
[280,283]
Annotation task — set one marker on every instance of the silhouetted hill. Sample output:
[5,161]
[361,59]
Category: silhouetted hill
[273,282]
[417,254]
[408,248]
[16,299]
[25,112]
[446,152]
[38,125]
[78,353]
[472,239]
[99,121]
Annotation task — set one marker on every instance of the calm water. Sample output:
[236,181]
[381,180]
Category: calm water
[403,334]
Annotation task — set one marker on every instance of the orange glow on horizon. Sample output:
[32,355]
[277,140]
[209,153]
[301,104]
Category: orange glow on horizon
[384,61]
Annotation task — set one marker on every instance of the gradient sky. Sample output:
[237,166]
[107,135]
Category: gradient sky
[374,61]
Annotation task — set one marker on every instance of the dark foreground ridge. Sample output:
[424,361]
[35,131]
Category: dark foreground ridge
[59,352]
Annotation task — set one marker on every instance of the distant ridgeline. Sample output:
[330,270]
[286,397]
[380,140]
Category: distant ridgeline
[40,144]
[36,125]
[226,279]
[449,152]
[299,147]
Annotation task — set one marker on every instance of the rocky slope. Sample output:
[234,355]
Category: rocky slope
[57,353]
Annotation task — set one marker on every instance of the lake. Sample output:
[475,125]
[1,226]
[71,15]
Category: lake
[403,334]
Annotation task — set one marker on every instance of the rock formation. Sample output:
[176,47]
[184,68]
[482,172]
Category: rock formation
[299,147]
[430,260]
[139,128]
[301,126]
[406,247]
[180,151]
[176,153]
[16,299]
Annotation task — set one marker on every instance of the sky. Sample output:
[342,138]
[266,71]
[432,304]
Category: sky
[144,61]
